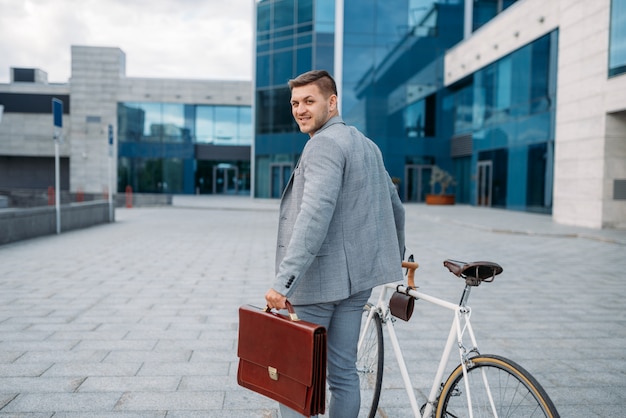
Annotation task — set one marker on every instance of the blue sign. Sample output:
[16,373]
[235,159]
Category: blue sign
[57,112]
[110,134]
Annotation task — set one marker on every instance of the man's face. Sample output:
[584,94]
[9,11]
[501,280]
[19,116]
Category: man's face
[311,109]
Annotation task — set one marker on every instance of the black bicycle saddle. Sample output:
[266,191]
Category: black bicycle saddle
[481,270]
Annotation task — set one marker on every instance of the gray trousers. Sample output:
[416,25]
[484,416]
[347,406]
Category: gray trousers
[342,320]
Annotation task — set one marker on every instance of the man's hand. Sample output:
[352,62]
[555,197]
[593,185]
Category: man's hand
[275,300]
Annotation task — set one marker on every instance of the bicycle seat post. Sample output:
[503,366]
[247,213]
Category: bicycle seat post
[465,295]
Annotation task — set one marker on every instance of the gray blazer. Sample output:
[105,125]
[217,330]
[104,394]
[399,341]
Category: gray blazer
[341,226]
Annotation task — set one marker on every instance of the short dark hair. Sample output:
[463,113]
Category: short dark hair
[321,78]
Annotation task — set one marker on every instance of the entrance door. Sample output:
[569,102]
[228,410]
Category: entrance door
[279,176]
[225,179]
[417,182]
[484,183]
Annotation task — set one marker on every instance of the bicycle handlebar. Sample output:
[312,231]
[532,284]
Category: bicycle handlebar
[411,266]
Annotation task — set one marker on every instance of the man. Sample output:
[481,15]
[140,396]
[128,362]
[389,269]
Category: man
[340,232]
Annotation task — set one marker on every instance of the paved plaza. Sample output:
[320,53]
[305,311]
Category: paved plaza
[139,318]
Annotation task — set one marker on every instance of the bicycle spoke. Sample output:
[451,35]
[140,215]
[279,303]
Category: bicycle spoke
[498,388]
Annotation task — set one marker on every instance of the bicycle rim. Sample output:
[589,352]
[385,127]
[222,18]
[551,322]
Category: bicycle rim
[370,363]
[494,382]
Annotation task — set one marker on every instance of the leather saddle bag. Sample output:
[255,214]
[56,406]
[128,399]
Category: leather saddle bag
[283,358]
[401,305]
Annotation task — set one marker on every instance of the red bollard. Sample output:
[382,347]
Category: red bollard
[51,195]
[80,195]
[129,197]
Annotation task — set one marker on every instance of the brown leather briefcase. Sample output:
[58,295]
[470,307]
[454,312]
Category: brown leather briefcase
[283,358]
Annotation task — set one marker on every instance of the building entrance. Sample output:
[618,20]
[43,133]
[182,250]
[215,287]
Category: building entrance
[484,183]
[417,182]
[225,178]
[279,176]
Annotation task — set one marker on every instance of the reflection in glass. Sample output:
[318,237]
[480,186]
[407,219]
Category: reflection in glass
[205,124]
[176,123]
[414,119]
[617,41]
[225,124]
[325,16]
[512,88]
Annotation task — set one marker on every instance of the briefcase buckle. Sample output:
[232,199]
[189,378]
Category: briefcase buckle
[272,372]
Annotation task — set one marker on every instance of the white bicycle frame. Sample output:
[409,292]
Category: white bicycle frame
[460,325]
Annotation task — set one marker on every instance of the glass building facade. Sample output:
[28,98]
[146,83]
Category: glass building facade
[503,120]
[617,38]
[293,36]
[385,44]
[493,130]
[183,148]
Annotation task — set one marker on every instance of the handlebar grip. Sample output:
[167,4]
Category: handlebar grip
[411,266]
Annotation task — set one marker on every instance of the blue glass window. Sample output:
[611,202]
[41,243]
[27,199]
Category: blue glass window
[245,125]
[176,123]
[172,122]
[263,17]
[485,10]
[325,16]
[304,60]
[414,119]
[205,124]
[152,122]
[283,13]
[263,70]
[282,67]
[617,42]
[418,118]
[305,11]
[283,43]
[225,124]
[518,85]
[463,110]
[263,108]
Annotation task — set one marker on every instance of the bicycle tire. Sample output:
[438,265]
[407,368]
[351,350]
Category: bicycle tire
[370,359]
[515,392]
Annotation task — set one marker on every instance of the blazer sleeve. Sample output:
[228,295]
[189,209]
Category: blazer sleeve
[398,215]
[322,164]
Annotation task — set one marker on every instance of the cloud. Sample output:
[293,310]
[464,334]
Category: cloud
[202,39]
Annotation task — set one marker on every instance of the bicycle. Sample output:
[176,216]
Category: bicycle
[480,386]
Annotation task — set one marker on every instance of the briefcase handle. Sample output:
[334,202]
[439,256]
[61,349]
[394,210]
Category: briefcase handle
[292,311]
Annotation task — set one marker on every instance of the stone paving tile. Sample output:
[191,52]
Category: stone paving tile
[143,414]
[184,369]
[176,401]
[139,318]
[39,384]
[63,402]
[125,356]
[92,369]
[26,370]
[130,384]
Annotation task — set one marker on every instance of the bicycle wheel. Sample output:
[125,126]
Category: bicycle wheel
[369,363]
[494,382]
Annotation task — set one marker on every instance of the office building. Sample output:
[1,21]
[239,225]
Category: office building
[524,102]
[170,136]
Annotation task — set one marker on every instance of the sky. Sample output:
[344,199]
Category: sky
[191,39]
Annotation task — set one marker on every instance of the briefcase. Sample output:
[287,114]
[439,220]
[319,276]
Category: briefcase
[283,358]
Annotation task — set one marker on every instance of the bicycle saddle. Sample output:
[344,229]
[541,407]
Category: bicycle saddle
[474,272]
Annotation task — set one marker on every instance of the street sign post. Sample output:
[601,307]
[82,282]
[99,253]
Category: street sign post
[110,173]
[57,117]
